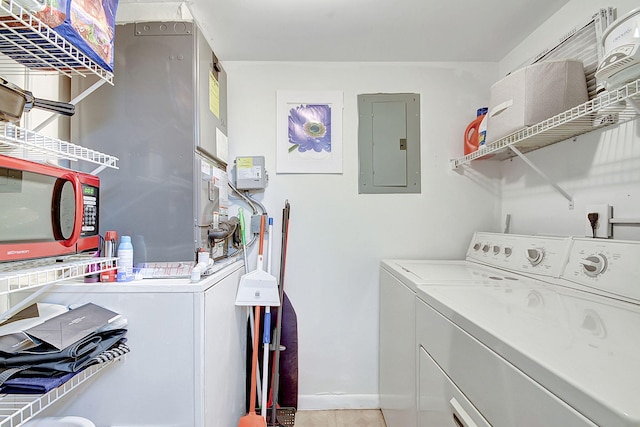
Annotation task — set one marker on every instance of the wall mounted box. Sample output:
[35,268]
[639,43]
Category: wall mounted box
[533,94]
[389,143]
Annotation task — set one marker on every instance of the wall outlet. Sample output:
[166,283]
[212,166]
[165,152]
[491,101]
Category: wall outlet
[603,226]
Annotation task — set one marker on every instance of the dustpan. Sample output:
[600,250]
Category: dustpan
[257,288]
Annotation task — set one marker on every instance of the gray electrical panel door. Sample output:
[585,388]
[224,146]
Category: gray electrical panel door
[389,143]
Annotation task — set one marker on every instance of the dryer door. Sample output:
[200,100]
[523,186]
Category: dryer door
[440,402]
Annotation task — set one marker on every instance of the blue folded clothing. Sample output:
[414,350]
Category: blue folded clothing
[42,378]
[36,384]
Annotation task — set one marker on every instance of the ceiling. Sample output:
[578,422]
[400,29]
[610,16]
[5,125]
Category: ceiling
[369,30]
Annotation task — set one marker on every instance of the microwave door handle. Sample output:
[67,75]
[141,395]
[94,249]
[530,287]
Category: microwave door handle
[79,199]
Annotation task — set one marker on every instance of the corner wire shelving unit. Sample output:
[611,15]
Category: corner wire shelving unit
[609,108]
[28,43]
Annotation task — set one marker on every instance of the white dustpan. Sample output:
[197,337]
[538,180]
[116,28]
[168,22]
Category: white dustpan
[258,288]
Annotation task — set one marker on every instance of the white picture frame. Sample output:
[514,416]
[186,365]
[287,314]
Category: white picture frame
[309,132]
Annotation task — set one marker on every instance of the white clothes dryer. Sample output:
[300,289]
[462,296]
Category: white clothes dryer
[527,331]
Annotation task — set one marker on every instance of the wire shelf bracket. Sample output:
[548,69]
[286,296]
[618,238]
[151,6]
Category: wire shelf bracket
[544,176]
[88,91]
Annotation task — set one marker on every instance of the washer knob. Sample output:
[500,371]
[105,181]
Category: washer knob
[485,248]
[594,265]
[496,249]
[535,256]
[508,252]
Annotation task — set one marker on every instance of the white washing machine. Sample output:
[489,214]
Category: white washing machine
[528,331]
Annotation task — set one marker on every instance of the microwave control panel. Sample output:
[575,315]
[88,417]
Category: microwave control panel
[90,214]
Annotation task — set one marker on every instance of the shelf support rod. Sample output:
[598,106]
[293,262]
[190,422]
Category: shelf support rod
[88,91]
[99,169]
[543,175]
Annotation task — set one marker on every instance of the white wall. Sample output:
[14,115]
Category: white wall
[600,167]
[337,237]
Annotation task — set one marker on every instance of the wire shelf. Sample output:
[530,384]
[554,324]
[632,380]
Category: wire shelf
[30,42]
[609,108]
[16,409]
[18,137]
[19,275]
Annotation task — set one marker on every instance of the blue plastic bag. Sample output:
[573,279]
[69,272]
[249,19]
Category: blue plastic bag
[87,24]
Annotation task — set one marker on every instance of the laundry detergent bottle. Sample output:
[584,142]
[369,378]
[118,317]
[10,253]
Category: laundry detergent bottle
[472,133]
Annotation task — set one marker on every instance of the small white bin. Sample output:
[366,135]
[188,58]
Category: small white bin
[59,422]
[533,94]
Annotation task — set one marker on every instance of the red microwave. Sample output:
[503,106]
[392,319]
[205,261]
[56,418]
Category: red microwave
[46,211]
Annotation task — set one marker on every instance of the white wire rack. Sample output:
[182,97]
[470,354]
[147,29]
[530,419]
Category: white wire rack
[607,109]
[16,409]
[12,136]
[25,41]
[31,43]
[20,275]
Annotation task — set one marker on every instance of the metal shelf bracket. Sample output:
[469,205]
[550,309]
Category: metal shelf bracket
[74,101]
[543,175]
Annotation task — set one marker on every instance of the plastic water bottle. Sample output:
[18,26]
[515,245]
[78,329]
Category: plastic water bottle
[125,259]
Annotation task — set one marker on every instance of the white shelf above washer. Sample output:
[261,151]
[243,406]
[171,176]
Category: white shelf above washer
[31,43]
[609,108]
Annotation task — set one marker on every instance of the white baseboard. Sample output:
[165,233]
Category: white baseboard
[338,401]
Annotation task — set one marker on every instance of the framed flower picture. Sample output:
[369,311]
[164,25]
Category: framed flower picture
[309,132]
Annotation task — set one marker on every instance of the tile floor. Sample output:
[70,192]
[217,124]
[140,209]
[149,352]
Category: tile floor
[340,418]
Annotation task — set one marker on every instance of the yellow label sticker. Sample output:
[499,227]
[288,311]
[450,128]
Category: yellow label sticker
[244,162]
[214,95]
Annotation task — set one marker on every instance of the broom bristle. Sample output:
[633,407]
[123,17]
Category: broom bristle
[252,420]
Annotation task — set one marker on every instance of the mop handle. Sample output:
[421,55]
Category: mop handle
[266,335]
[275,384]
[270,230]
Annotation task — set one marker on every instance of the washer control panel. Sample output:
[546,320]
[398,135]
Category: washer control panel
[534,255]
[609,266]
[612,266]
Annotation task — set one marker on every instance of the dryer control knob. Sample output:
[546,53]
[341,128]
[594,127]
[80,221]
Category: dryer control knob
[535,256]
[594,265]
[486,248]
[508,252]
